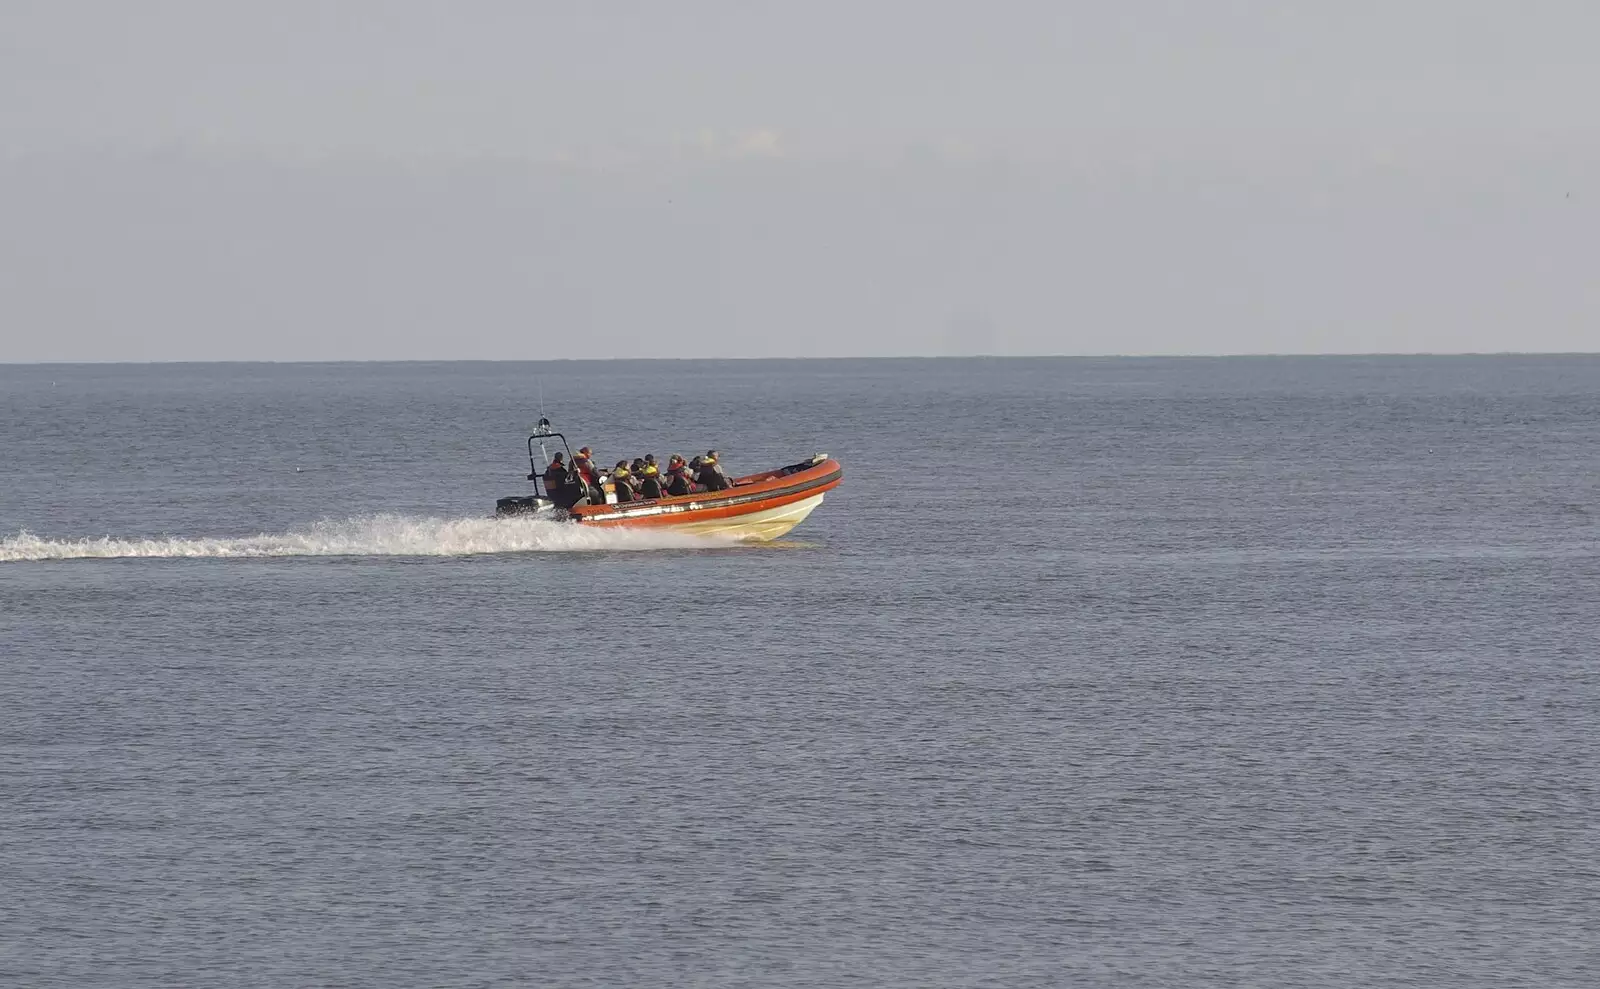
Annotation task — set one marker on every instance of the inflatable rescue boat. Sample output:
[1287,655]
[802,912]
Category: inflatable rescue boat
[757,507]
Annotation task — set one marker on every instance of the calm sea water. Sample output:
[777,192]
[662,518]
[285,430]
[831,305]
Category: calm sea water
[1268,672]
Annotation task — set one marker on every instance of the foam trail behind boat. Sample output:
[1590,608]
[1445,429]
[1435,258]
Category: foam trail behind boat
[377,535]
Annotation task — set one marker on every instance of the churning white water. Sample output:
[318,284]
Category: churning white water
[375,535]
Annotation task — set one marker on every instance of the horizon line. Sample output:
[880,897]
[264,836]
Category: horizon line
[882,357]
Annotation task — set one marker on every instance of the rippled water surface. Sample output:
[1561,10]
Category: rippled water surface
[1260,672]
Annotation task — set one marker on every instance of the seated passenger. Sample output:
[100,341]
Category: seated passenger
[584,468]
[679,481]
[711,473]
[622,480]
[650,482]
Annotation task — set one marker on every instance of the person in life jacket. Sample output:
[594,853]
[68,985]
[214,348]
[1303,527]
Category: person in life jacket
[693,470]
[583,468]
[583,463]
[711,473]
[650,486]
[556,483]
[555,476]
[622,481]
[678,480]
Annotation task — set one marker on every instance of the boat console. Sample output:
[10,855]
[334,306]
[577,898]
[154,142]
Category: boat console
[541,500]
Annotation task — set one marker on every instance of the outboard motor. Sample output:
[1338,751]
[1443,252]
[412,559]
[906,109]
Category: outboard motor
[520,505]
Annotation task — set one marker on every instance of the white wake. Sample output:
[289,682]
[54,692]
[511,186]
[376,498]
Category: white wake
[377,535]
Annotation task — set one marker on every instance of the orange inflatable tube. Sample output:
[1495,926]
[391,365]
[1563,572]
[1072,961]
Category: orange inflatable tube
[758,506]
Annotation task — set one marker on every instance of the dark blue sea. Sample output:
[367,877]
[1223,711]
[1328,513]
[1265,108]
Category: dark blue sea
[1095,672]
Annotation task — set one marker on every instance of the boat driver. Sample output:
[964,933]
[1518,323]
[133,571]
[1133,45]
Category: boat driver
[555,476]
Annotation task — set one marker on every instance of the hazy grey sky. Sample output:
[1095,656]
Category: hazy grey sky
[296,180]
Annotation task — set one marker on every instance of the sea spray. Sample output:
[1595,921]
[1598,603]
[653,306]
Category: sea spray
[375,535]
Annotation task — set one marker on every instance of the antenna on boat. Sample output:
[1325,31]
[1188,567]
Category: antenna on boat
[542,427]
